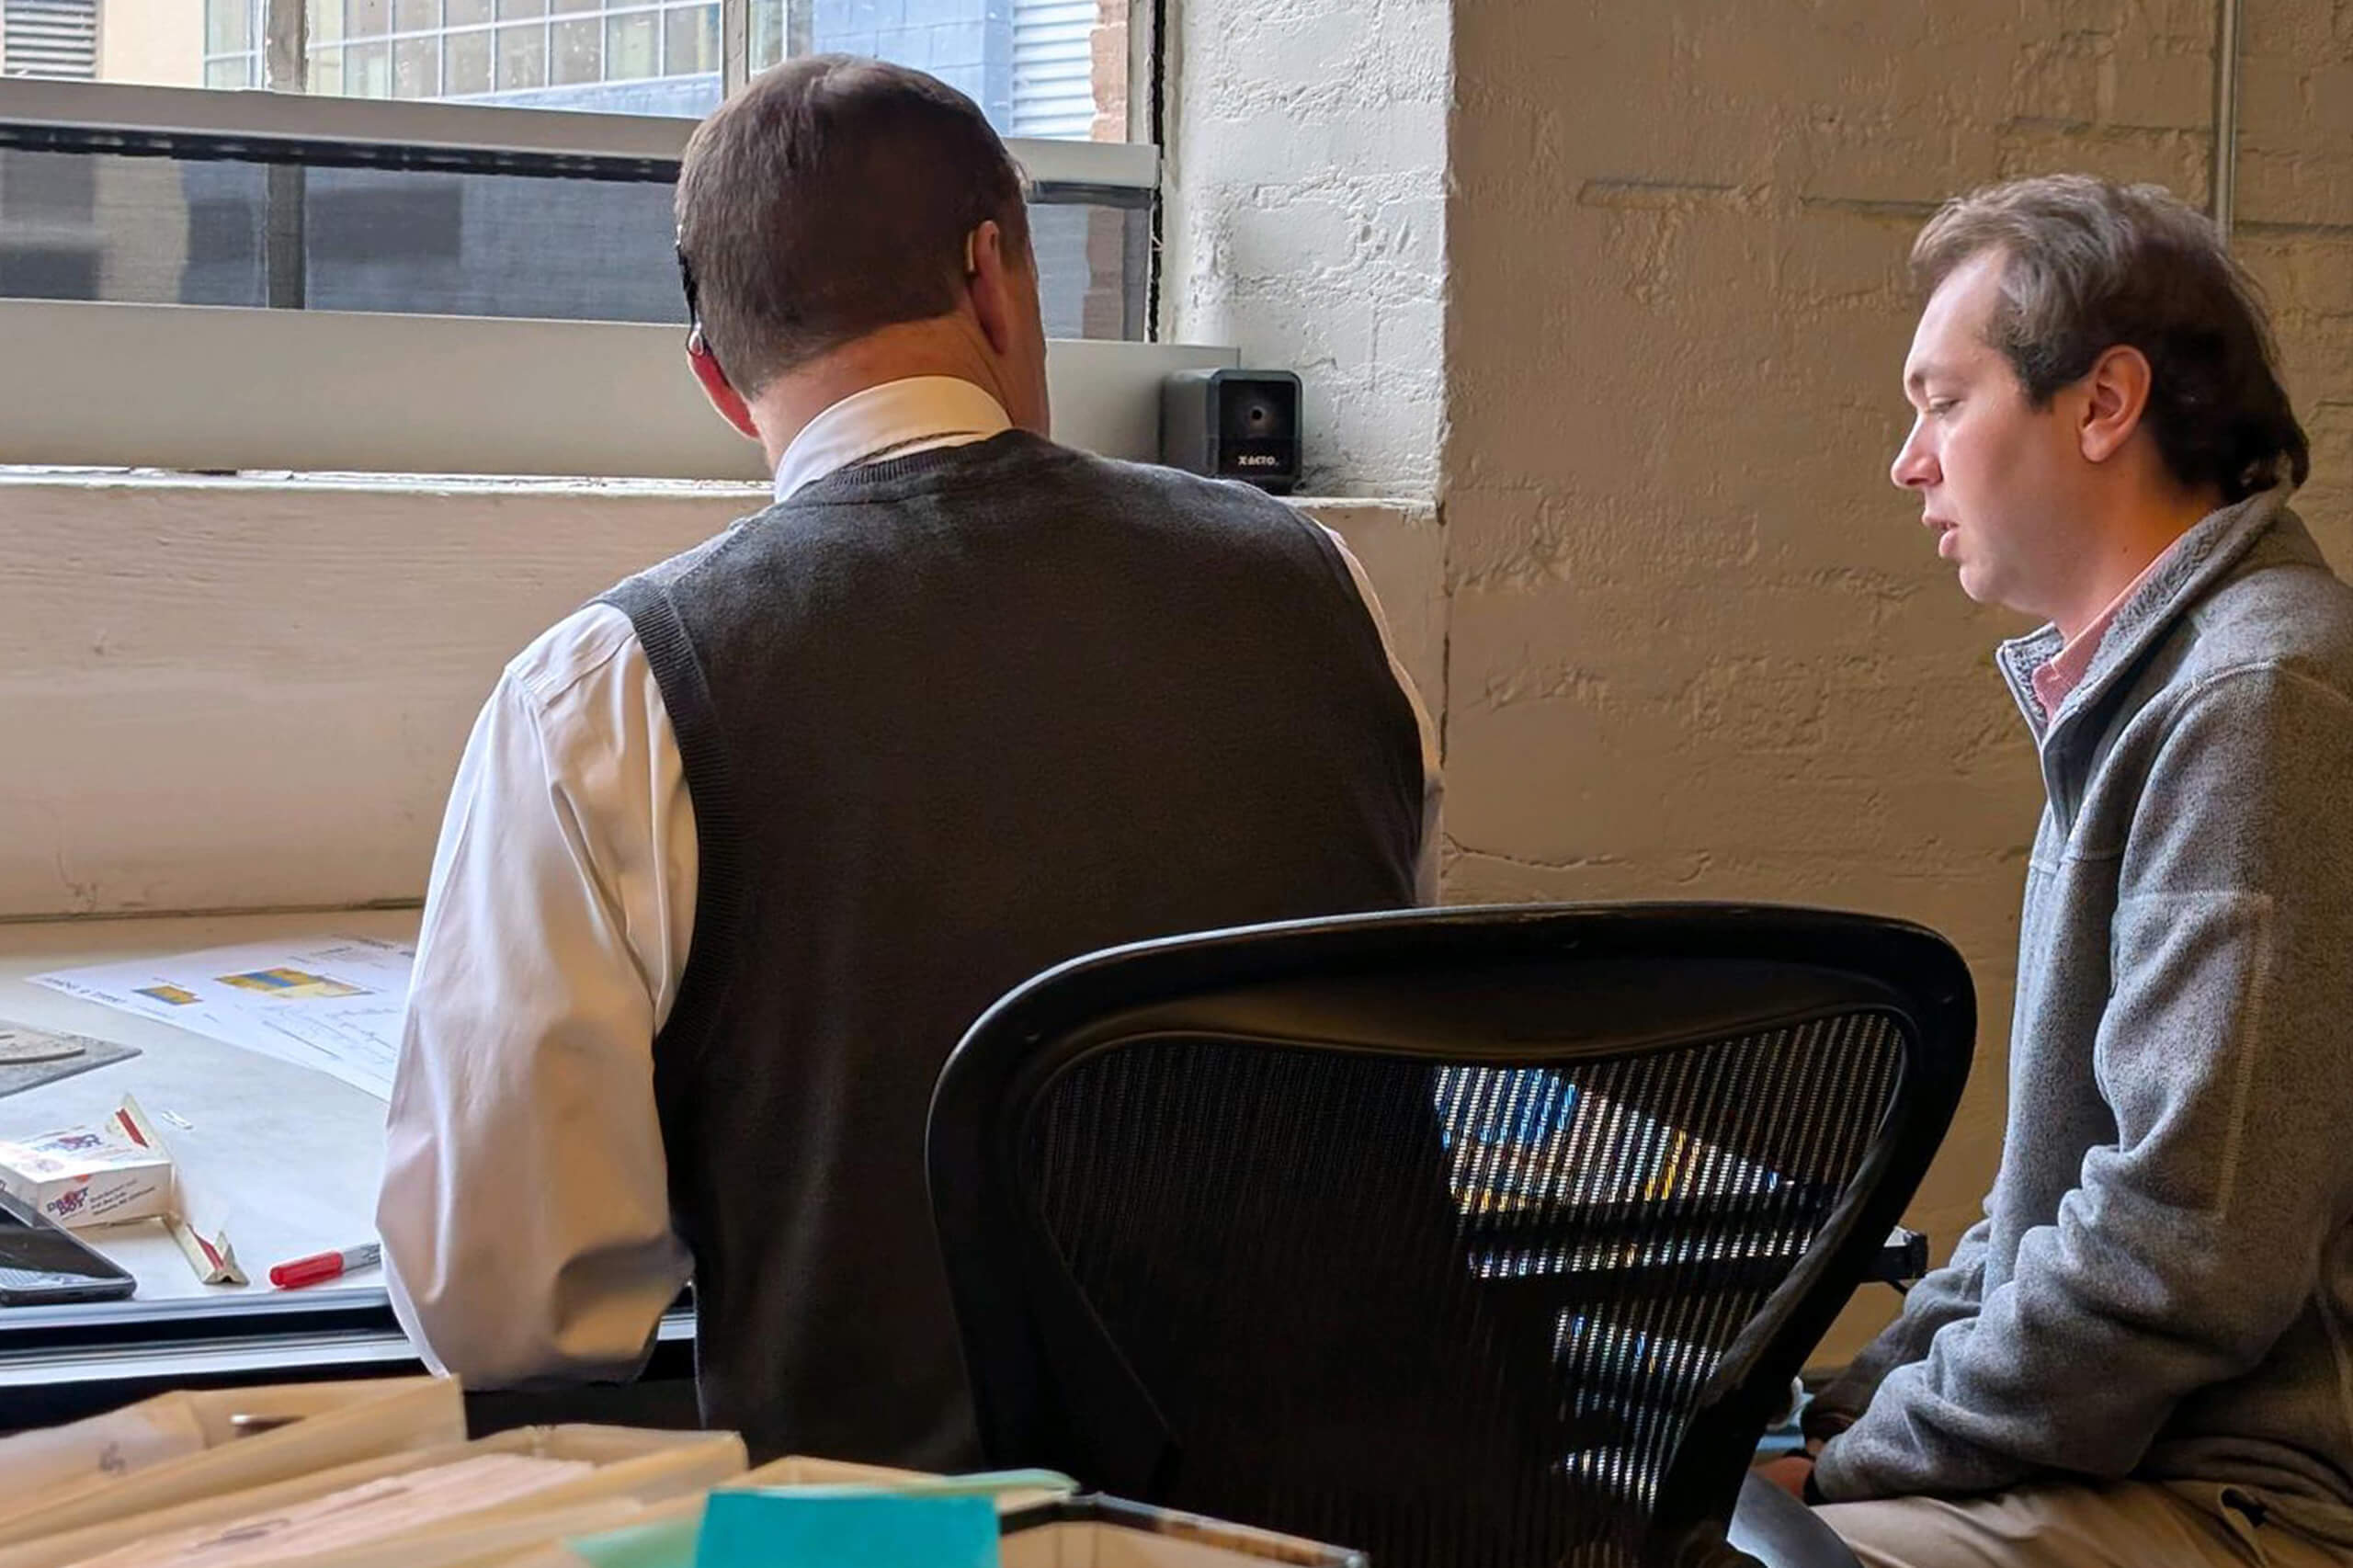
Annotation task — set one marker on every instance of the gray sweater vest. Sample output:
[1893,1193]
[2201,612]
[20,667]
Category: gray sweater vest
[946,722]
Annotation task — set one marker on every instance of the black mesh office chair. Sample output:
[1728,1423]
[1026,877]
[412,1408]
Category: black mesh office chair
[1482,1238]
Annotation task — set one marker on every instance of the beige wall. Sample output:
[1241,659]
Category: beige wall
[159,42]
[1700,648]
[2295,229]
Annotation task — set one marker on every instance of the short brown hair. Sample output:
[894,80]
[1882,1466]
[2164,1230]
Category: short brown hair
[832,197]
[2091,265]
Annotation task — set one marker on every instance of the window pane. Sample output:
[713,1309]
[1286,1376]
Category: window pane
[1033,65]
[769,42]
[1092,268]
[629,57]
[163,231]
[50,192]
[1053,69]
[522,56]
[368,70]
[417,68]
[1028,63]
[631,46]
[468,63]
[228,26]
[575,51]
[195,228]
[49,203]
[692,46]
[489,245]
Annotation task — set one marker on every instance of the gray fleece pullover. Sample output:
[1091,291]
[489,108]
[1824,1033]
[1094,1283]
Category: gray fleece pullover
[2162,1286]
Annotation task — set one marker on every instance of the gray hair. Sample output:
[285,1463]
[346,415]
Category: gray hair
[830,198]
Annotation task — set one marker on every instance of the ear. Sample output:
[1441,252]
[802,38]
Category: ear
[716,387]
[990,277]
[2116,396]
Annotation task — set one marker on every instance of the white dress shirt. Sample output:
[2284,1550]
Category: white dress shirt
[525,1210]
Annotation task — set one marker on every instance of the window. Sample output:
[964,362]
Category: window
[134,198]
[284,201]
[376,161]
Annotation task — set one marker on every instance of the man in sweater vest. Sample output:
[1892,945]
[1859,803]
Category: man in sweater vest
[2141,1355]
[737,852]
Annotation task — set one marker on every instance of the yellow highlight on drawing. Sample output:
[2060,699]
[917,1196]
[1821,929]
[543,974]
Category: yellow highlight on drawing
[291,984]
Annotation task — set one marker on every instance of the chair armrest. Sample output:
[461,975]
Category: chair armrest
[1779,1531]
[1901,1262]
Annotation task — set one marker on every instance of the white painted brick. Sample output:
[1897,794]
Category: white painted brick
[1307,215]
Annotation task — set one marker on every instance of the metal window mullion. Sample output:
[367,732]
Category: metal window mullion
[286,68]
[734,45]
[286,65]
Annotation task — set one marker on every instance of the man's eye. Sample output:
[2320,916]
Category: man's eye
[1942,404]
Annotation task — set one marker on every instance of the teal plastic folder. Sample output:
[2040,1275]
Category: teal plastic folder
[847,1529]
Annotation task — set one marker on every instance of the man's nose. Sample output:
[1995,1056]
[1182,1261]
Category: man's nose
[1915,466]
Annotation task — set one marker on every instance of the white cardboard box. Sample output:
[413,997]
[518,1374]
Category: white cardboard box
[88,1175]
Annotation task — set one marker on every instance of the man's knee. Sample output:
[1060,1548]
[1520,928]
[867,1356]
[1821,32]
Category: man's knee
[2124,1524]
[1910,1532]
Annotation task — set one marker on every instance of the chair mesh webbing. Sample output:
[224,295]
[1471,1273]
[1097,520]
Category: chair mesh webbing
[1457,1315]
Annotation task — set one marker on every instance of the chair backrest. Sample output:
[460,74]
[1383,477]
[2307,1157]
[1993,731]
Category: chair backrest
[1476,1237]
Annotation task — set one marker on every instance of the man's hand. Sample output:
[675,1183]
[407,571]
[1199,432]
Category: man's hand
[1789,1473]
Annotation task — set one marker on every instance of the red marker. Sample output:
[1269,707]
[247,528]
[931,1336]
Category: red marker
[319,1267]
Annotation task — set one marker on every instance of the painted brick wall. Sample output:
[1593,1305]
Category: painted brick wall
[1306,216]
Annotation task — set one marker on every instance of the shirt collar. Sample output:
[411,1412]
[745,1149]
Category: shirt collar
[2065,670]
[915,414]
[2184,573]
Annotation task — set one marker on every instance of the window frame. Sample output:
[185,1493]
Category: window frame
[135,112]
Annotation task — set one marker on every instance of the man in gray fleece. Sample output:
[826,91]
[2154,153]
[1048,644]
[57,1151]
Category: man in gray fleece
[2143,1353]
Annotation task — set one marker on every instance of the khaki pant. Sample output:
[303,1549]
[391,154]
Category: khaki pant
[2126,1524]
